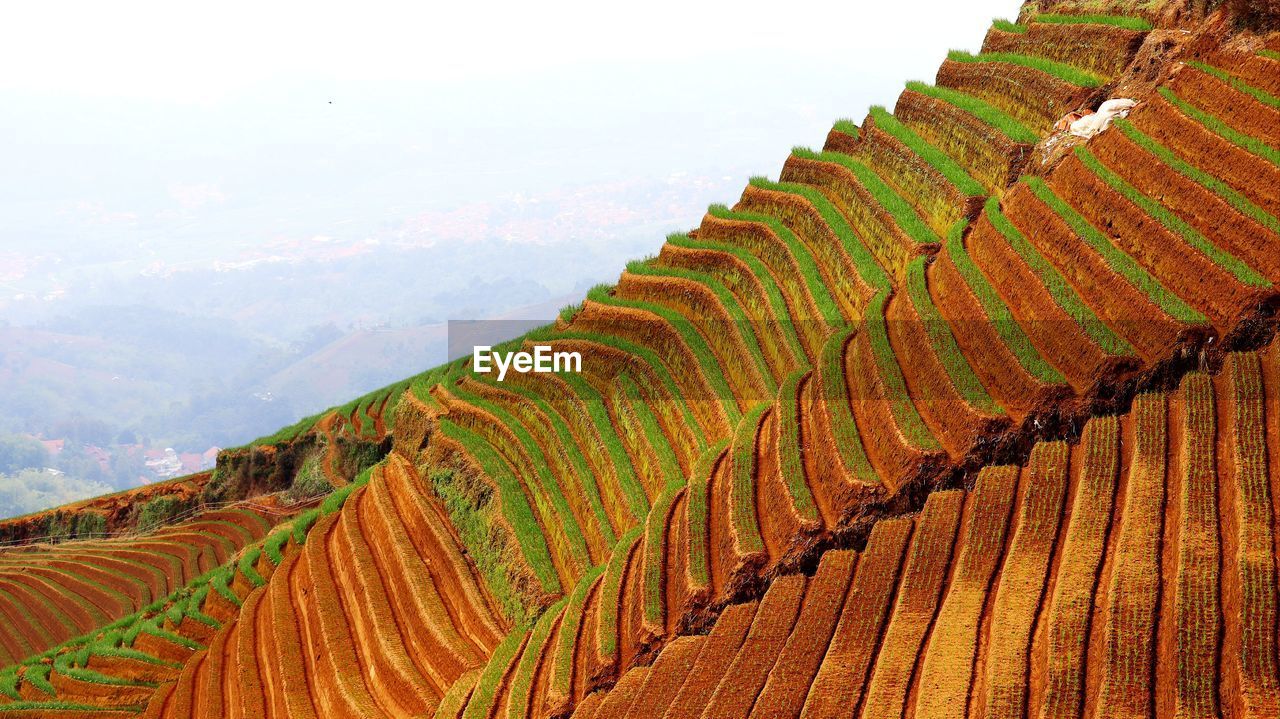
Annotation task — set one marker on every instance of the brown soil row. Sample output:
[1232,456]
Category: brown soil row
[1237,109]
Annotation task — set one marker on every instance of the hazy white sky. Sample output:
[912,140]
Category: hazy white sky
[174,134]
[191,52]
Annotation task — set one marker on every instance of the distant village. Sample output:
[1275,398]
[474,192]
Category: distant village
[160,464]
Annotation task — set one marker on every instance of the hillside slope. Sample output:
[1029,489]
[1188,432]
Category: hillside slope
[905,355]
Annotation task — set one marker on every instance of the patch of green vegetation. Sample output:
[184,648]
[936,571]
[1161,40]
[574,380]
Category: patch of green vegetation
[939,160]
[1227,261]
[809,267]
[1261,96]
[642,354]
[634,407]
[247,562]
[1269,54]
[1060,70]
[1064,295]
[1008,125]
[1004,25]
[1245,142]
[944,344]
[789,451]
[310,481]
[159,512]
[903,213]
[1119,261]
[1002,320]
[1120,21]
[742,491]
[584,477]
[514,504]
[846,126]
[835,395]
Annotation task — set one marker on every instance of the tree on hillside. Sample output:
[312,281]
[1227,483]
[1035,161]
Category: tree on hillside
[32,490]
[18,452]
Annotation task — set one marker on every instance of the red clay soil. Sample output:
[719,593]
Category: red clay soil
[1233,107]
[1129,311]
[1194,203]
[1188,274]
[1246,173]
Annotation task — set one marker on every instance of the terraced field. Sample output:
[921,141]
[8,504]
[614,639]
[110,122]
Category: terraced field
[1160,520]
[51,593]
[1004,386]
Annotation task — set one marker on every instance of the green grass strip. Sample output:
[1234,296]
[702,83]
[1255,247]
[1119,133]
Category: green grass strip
[903,213]
[1004,25]
[480,705]
[37,675]
[790,452]
[689,335]
[585,477]
[9,683]
[1121,21]
[1007,124]
[246,563]
[939,160]
[274,545]
[303,523]
[567,521]
[515,505]
[1261,96]
[655,555]
[863,261]
[835,393]
[1060,70]
[1269,54]
[778,307]
[846,126]
[800,252]
[1011,334]
[1064,295]
[699,517]
[740,323]
[593,402]
[610,603]
[1227,261]
[520,692]
[1119,261]
[904,411]
[570,626]
[742,492]
[1246,142]
[1218,187]
[944,343]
